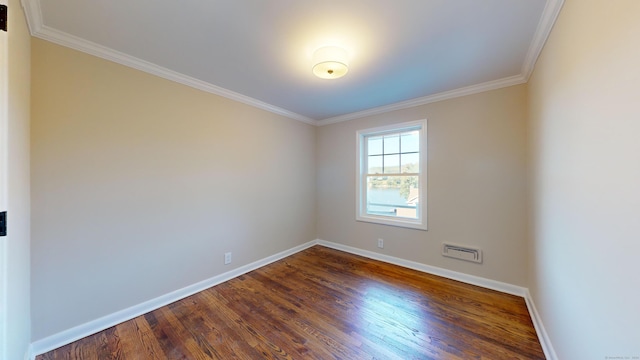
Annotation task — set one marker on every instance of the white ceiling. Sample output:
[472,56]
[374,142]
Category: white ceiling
[402,53]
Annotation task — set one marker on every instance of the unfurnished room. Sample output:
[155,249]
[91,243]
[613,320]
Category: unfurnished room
[355,179]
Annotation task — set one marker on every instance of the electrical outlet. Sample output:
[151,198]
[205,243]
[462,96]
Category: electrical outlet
[227,258]
[381,243]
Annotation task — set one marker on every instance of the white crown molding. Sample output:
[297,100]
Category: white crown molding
[38,29]
[74,42]
[545,25]
[446,95]
[33,14]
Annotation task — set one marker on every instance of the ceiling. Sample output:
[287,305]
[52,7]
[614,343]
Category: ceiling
[402,53]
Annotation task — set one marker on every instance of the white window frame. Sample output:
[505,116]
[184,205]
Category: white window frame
[361,176]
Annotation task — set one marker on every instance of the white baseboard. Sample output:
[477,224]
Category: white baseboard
[434,270]
[29,355]
[70,335]
[523,292]
[78,332]
[545,341]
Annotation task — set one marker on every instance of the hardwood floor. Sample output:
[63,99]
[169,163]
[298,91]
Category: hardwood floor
[324,304]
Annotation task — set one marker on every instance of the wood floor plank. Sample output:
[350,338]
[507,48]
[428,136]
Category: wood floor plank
[210,332]
[265,346]
[317,331]
[139,341]
[322,303]
[444,299]
[108,344]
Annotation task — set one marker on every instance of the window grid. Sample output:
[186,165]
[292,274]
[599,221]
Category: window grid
[392,179]
[383,154]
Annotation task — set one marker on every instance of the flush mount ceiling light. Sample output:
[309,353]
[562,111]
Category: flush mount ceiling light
[330,62]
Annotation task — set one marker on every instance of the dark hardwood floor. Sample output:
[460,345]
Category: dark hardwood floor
[324,304]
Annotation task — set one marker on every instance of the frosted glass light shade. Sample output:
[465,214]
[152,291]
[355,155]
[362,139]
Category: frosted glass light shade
[330,62]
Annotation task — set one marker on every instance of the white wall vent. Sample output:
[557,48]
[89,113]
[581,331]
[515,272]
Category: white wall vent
[462,252]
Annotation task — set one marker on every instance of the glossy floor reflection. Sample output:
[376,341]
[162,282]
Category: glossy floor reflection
[324,304]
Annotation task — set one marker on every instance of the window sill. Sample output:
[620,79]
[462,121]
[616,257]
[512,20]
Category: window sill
[393,222]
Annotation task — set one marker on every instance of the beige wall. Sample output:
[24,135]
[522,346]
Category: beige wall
[476,184]
[140,185]
[18,321]
[585,121]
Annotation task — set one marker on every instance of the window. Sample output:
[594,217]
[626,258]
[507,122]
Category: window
[392,176]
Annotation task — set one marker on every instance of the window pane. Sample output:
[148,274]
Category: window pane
[391,164]
[374,145]
[390,167]
[410,163]
[374,164]
[411,141]
[392,144]
[395,196]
